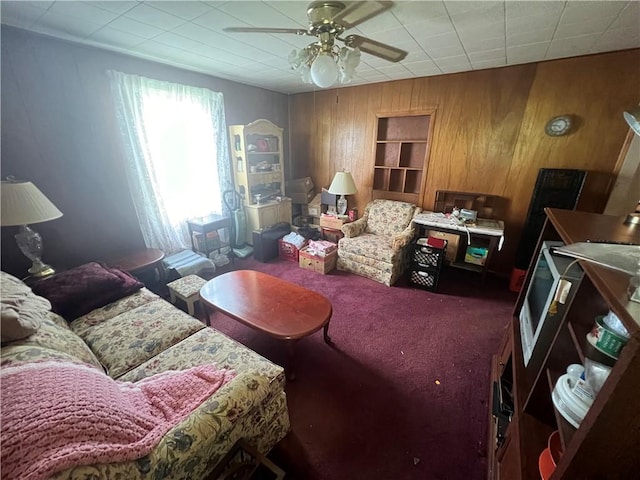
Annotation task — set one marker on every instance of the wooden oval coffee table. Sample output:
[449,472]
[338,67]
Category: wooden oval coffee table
[271,305]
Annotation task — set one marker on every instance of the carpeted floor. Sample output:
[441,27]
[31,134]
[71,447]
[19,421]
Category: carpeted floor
[403,392]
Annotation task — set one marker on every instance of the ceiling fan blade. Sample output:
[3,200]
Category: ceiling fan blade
[373,47]
[358,12]
[297,31]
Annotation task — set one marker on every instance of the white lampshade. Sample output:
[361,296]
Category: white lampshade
[324,70]
[633,119]
[342,184]
[24,204]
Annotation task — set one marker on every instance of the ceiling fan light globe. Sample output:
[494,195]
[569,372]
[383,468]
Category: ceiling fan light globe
[324,70]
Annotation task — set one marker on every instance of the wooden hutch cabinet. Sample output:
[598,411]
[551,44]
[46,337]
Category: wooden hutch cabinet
[258,170]
[607,443]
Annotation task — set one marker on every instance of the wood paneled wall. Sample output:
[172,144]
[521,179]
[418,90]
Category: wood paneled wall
[488,133]
[59,131]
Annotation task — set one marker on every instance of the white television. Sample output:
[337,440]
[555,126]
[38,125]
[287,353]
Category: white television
[537,321]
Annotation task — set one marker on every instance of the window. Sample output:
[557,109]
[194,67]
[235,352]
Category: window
[177,160]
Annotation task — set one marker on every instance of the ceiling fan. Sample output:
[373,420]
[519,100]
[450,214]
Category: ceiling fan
[324,62]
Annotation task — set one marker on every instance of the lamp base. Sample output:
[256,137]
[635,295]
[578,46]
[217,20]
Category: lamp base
[342,205]
[30,244]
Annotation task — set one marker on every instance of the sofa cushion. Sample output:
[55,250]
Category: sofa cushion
[133,337]
[74,292]
[389,217]
[373,249]
[210,346]
[54,335]
[95,317]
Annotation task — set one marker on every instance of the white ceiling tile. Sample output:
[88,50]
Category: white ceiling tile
[150,15]
[527,9]
[439,41]
[379,23]
[393,36]
[530,24]
[542,35]
[119,6]
[496,62]
[617,40]
[83,11]
[479,17]
[258,14]
[19,14]
[629,17]
[578,11]
[409,13]
[571,46]
[52,21]
[156,49]
[461,7]
[533,50]
[499,53]
[443,52]
[177,41]
[479,39]
[457,61]
[141,29]
[117,38]
[430,27]
[482,44]
[185,10]
[595,25]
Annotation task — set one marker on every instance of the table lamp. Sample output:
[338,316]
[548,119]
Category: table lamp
[342,185]
[22,204]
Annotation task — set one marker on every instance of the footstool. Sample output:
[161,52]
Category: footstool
[186,289]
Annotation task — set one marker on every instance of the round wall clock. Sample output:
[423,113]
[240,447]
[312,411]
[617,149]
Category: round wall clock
[558,126]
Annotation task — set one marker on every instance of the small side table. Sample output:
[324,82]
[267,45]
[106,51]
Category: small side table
[137,261]
[204,225]
[186,289]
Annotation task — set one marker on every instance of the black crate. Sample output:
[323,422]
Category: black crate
[425,256]
[425,278]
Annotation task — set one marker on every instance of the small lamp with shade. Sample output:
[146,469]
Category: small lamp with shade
[22,204]
[342,185]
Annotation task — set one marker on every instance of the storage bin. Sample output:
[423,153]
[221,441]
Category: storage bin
[426,256]
[288,251]
[427,279]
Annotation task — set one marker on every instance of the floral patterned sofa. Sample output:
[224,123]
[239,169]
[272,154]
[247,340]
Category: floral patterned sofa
[134,338]
[375,245]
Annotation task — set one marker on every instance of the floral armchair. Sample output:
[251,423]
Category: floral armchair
[375,245]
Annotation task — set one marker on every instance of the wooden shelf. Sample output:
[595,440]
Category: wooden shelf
[603,446]
[401,156]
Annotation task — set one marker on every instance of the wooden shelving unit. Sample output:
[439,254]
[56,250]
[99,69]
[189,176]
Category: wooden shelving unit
[402,156]
[258,166]
[607,443]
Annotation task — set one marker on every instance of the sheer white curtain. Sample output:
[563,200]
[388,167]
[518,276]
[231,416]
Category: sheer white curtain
[176,153]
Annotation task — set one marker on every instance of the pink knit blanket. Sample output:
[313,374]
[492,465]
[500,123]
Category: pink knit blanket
[56,415]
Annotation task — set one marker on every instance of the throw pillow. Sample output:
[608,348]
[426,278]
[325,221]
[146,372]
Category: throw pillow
[78,291]
[13,326]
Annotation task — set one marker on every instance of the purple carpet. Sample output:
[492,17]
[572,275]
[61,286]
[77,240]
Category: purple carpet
[403,392]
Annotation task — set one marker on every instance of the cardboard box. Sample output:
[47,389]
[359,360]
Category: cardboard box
[299,185]
[476,255]
[330,221]
[301,198]
[452,243]
[318,264]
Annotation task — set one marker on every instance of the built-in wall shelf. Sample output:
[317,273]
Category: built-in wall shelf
[402,156]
